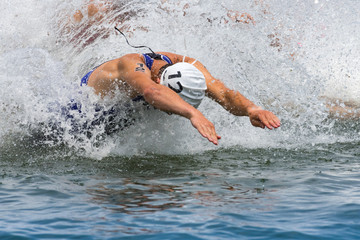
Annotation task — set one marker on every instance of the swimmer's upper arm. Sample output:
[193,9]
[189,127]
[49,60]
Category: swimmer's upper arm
[229,99]
[216,89]
[232,100]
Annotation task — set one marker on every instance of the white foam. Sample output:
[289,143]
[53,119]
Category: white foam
[283,55]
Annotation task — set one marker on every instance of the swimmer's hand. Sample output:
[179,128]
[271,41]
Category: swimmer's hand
[205,127]
[262,118]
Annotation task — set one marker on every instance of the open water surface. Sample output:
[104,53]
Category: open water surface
[158,179]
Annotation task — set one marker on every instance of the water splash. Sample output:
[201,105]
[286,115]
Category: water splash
[285,56]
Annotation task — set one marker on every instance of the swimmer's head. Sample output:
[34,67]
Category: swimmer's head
[186,80]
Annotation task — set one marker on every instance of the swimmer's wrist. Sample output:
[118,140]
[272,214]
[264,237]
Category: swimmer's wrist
[253,108]
[192,112]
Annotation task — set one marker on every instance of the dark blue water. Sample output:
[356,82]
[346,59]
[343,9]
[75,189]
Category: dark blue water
[308,193]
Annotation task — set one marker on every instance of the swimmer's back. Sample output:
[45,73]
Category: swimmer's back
[109,76]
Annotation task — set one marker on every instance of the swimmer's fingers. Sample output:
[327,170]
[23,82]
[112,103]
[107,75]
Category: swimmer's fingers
[205,128]
[263,118]
[257,123]
[274,121]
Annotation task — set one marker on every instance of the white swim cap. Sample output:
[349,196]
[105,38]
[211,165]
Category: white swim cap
[186,80]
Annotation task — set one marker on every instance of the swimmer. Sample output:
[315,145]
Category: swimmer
[343,110]
[174,84]
[89,23]
[94,10]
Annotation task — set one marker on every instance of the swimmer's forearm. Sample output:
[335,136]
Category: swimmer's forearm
[231,100]
[239,105]
[167,100]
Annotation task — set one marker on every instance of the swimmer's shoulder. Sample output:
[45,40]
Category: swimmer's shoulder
[129,59]
[175,58]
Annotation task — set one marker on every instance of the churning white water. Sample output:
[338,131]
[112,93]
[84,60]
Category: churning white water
[286,56]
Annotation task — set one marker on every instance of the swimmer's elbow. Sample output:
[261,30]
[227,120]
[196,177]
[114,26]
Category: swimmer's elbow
[150,94]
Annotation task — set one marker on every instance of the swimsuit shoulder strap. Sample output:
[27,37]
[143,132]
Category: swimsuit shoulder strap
[150,57]
[148,60]
[166,59]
